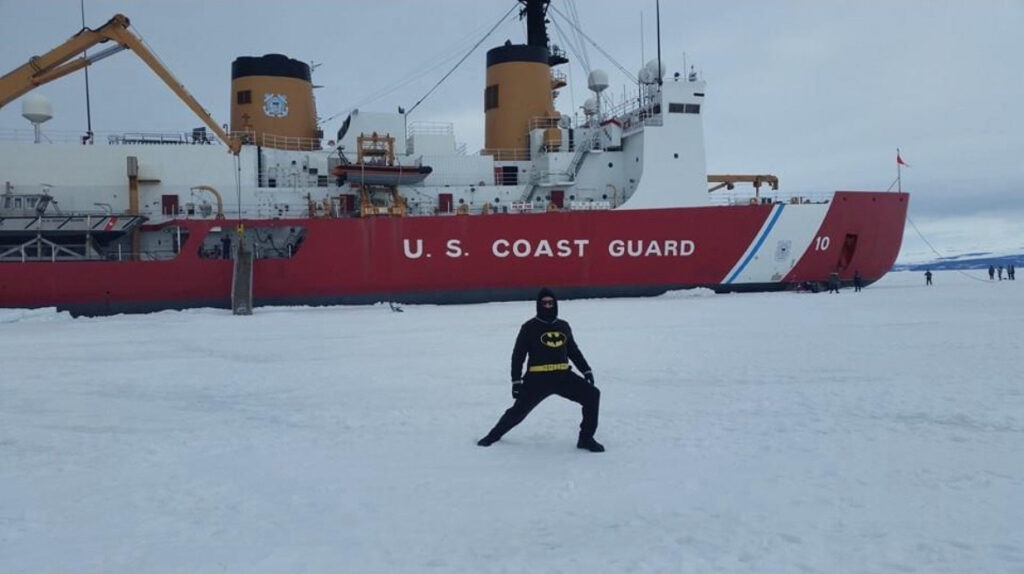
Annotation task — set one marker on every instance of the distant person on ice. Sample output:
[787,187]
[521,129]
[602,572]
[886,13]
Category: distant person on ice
[991,272]
[833,282]
[928,277]
[999,271]
[225,243]
[549,343]
[858,282]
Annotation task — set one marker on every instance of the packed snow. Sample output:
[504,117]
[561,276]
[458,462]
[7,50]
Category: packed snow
[880,431]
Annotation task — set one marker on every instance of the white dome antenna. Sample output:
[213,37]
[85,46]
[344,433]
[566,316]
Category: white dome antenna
[646,77]
[597,81]
[37,109]
[656,71]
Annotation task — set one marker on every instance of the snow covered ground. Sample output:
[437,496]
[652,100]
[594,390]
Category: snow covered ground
[880,431]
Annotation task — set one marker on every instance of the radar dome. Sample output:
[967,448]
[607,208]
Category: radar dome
[590,106]
[646,77]
[656,71]
[36,108]
[597,81]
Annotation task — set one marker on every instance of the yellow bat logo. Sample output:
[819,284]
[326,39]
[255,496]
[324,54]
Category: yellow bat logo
[553,339]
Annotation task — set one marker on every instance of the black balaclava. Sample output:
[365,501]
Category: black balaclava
[548,314]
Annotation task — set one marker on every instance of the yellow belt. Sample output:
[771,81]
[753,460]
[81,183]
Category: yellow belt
[548,368]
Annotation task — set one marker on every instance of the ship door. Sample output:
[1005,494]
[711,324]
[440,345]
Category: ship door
[558,198]
[348,203]
[169,204]
[444,203]
[849,247]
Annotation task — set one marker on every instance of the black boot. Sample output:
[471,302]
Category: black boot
[487,441]
[589,444]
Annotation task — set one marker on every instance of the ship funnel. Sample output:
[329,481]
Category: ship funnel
[272,102]
[37,109]
[519,95]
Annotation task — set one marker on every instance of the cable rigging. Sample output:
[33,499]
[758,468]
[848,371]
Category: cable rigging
[439,61]
[459,63]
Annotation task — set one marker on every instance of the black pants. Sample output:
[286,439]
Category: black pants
[538,387]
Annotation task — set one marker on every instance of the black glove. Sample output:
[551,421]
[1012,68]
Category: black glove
[589,376]
[517,386]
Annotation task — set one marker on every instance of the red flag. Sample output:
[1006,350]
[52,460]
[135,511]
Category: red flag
[899,160]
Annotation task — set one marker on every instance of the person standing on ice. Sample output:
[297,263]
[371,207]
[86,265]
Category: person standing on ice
[833,282]
[991,272]
[225,242]
[549,343]
[928,277]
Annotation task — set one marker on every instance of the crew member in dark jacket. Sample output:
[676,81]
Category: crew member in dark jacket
[549,344]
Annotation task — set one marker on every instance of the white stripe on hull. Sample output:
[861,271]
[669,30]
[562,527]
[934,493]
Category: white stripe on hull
[786,235]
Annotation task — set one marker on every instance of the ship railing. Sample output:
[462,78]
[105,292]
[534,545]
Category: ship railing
[194,137]
[523,207]
[431,128]
[41,249]
[635,114]
[157,138]
[296,143]
[507,154]
[749,198]
[544,122]
[46,136]
[247,137]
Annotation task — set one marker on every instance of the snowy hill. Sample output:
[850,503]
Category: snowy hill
[973,260]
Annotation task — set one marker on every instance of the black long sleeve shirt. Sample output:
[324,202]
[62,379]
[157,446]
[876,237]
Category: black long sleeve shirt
[548,345]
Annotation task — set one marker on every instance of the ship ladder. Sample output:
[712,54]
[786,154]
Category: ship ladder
[241,282]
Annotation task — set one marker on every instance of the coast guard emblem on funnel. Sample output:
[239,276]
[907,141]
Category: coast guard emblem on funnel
[275,105]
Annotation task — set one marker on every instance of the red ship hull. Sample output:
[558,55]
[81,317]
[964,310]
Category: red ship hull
[461,259]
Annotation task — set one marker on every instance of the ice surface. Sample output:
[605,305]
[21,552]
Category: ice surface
[880,431]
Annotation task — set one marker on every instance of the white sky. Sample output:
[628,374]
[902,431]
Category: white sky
[819,93]
[782,433]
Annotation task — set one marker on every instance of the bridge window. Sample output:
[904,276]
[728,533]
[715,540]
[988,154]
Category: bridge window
[244,97]
[684,108]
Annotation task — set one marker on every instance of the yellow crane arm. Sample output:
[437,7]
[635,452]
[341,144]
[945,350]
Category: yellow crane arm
[62,61]
[729,181]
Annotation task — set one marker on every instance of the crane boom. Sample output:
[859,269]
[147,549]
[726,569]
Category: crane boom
[62,61]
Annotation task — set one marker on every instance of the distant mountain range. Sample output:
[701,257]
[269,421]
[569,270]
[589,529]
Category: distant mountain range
[977,260]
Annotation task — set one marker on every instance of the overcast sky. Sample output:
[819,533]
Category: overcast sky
[818,93]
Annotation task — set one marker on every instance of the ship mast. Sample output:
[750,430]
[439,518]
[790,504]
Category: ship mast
[535,12]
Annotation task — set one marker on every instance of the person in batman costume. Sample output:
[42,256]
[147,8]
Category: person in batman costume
[549,344]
